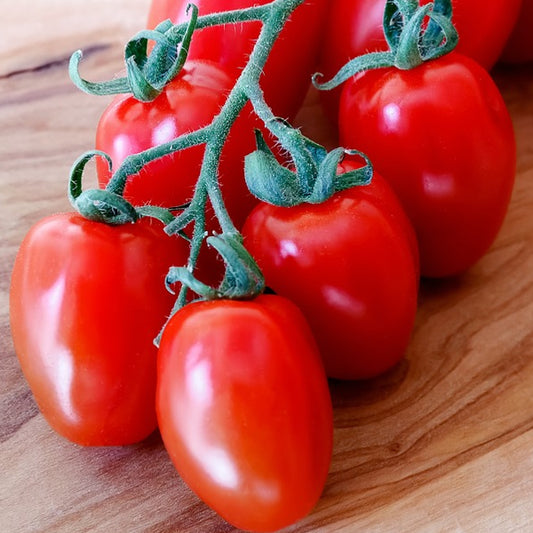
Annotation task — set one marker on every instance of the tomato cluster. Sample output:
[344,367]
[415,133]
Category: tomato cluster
[239,388]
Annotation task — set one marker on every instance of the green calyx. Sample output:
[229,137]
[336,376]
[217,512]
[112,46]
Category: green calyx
[106,205]
[276,184]
[414,33]
[147,74]
[242,277]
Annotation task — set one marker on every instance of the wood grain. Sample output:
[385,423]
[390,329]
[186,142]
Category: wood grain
[440,444]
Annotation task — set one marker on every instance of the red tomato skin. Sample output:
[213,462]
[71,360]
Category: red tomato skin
[519,46]
[86,302]
[443,138]
[356,27]
[244,409]
[351,266]
[293,59]
[189,102]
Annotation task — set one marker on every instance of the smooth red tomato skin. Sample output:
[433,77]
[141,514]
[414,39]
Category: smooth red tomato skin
[519,47]
[350,264]
[293,59]
[86,302]
[244,409]
[190,102]
[355,27]
[442,137]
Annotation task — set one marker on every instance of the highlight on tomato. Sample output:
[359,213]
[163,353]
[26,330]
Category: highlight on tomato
[86,301]
[244,409]
[287,73]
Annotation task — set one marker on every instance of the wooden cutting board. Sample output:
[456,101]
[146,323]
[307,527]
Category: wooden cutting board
[443,443]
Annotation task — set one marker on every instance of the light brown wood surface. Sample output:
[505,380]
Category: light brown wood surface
[443,443]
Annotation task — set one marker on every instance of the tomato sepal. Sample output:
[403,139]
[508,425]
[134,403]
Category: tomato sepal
[415,34]
[273,183]
[242,279]
[107,205]
[147,74]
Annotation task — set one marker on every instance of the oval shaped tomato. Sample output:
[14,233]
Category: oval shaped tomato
[86,302]
[189,102]
[293,59]
[244,409]
[356,27]
[519,47]
[442,137]
[351,266]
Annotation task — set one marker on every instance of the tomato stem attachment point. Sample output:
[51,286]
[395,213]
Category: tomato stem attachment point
[106,205]
[414,33]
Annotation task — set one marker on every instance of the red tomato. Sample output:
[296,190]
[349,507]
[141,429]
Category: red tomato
[519,47]
[244,409]
[350,264]
[355,28]
[191,101]
[293,59]
[441,135]
[86,302]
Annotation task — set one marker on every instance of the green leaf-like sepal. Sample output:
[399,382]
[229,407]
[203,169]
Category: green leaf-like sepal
[324,186]
[97,204]
[103,206]
[275,184]
[106,205]
[358,177]
[395,16]
[408,53]
[141,88]
[268,180]
[115,86]
[329,181]
[184,276]
[411,40]
[243,278]
[317,151]
[414,33]
[442,14]
[147,74]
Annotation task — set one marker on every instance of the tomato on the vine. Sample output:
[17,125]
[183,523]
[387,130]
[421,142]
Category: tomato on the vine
[441,135]
[86,302]
[244,409]
[356,27]
[188,103]
[351,266]
[293,59]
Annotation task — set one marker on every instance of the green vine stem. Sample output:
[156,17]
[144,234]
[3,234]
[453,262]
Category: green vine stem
[313,177]
[414,34]
[243,278]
